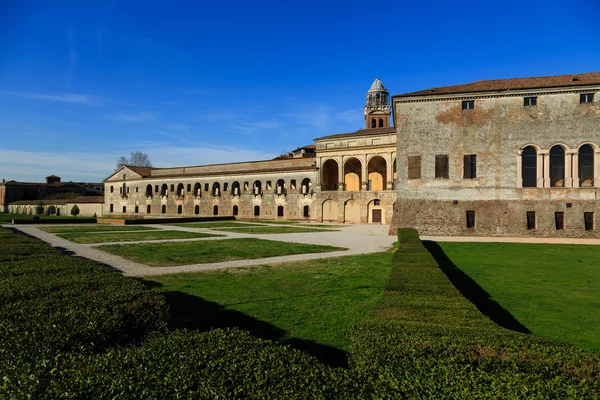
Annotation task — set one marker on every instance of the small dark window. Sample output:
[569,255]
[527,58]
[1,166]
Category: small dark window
[414,167]
[559,220]
[470,219]
[148,209]
[441,166]
[111,208]
[373,123]
[156,188]
[189,187]
[469,166]
[530,101]
[111,189]
[216,210]
[381,122]
[235,210]
[172,188]
[256,211]
[164,209]
[376,202]
[588,219]
[225,185]
[136,209]
[468,104]
[280,211]
[306,211]
[197,209]
[293,184]
[206,187]
[179,209]
[136,189]
[530,220]
[586,98]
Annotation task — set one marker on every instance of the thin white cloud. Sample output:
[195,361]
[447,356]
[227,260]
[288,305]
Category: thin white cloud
[135,117]
[72,59]
[65,98]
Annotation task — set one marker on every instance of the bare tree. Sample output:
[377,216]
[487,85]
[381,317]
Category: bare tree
[136,159]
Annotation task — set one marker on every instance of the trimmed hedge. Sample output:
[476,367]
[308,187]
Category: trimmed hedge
[424,339]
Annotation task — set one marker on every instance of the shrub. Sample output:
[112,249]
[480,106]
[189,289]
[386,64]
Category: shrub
[75,210]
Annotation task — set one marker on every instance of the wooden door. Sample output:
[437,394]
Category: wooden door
[376,216]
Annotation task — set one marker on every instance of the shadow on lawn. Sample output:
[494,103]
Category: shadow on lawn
[195,313]
[472,291]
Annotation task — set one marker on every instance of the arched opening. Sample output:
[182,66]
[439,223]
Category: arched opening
[306,186]
[352,175]
[586,166]
[330,211]
[164,189]
[197,189]
[235,188]
[257,187]
[149,190]
[306,212]
[280,187]
[529,166]
[352,212]
[377,173]
[280,211]
[329,175]
[180,190]
[216,210]
[235,210]
[216,189]
[196,209]
[179,209]
[375,212]
[148,209]
[163,209]
[257,211]
[557,166]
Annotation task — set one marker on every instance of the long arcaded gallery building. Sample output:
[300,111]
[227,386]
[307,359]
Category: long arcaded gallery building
[508,157]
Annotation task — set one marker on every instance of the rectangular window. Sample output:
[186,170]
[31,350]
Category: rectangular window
[414,167]
[268,185]
[293,184]
[124,209]
[136,189]
[468,105]
[111,189]
[530,220]
[469,166]
[441,166]
[189,187]
[225,185]
[471,219]
[376,202]
[206,187]
[586,98]
[588,219]
[530,101]
[111,208]
[559,220]
[172,188]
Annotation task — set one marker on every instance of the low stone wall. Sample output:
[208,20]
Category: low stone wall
[54,221]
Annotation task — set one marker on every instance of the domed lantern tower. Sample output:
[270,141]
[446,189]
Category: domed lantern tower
[378,108]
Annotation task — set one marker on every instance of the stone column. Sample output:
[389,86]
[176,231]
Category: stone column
[389,174]
[546,160]
[340,161]
[317,177]
[364,172]
[568,169]
[539,170]
[597,167]
[575,167]
[519,169]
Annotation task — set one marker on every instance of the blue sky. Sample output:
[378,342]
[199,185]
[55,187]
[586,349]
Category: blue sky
[197,82]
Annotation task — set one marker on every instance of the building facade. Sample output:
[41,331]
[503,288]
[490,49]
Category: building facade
[511,157]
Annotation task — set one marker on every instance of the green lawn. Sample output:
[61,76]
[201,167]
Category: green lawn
[108,237]
[6,218]
[210,251]
[258,230]
[316,300]
[267,221]
[553,290]
[93,228]
[214,224]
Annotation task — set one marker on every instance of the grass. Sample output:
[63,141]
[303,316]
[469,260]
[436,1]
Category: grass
[216,224]
[551,289]
[210,251]
[6,218]
[93,228]
[272,230]
[107,237]
[316,300]
[267,221]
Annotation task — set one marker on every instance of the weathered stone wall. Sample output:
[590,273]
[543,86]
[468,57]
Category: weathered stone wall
[496,131]
[365,203]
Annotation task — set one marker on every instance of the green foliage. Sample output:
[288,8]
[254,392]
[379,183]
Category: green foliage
[75,210]
[424,339]
[52,210]
[39,209]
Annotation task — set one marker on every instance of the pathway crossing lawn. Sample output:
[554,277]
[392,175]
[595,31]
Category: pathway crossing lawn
[93,228]
[554,290]
[316,300]
[107,237]
[261,230]
[210,251]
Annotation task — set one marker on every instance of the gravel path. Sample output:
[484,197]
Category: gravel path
[359,239]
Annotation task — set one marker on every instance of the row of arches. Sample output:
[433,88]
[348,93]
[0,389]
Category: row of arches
[256,211]
[235,188]
[350,211]
[352,177]
[559,166]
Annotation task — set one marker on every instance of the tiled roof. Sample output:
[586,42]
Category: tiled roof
[539,82]
[142,171]
[360,132]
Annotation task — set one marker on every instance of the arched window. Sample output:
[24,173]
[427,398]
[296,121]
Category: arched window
[280,186]
[280,211]
[306,186]
[164,189]
[216,210]
[197,189]
[179,209]
[586,166]
[163,209]
[180,190]
[377,173]
[557,166]
[196,209]
[257,211]
[352,175]
[235,188]
[306,212]
[373,123]
[149,190]
[235,210]
[529,166]
[148,209]
[216,189]
[257,187]
[329,175]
